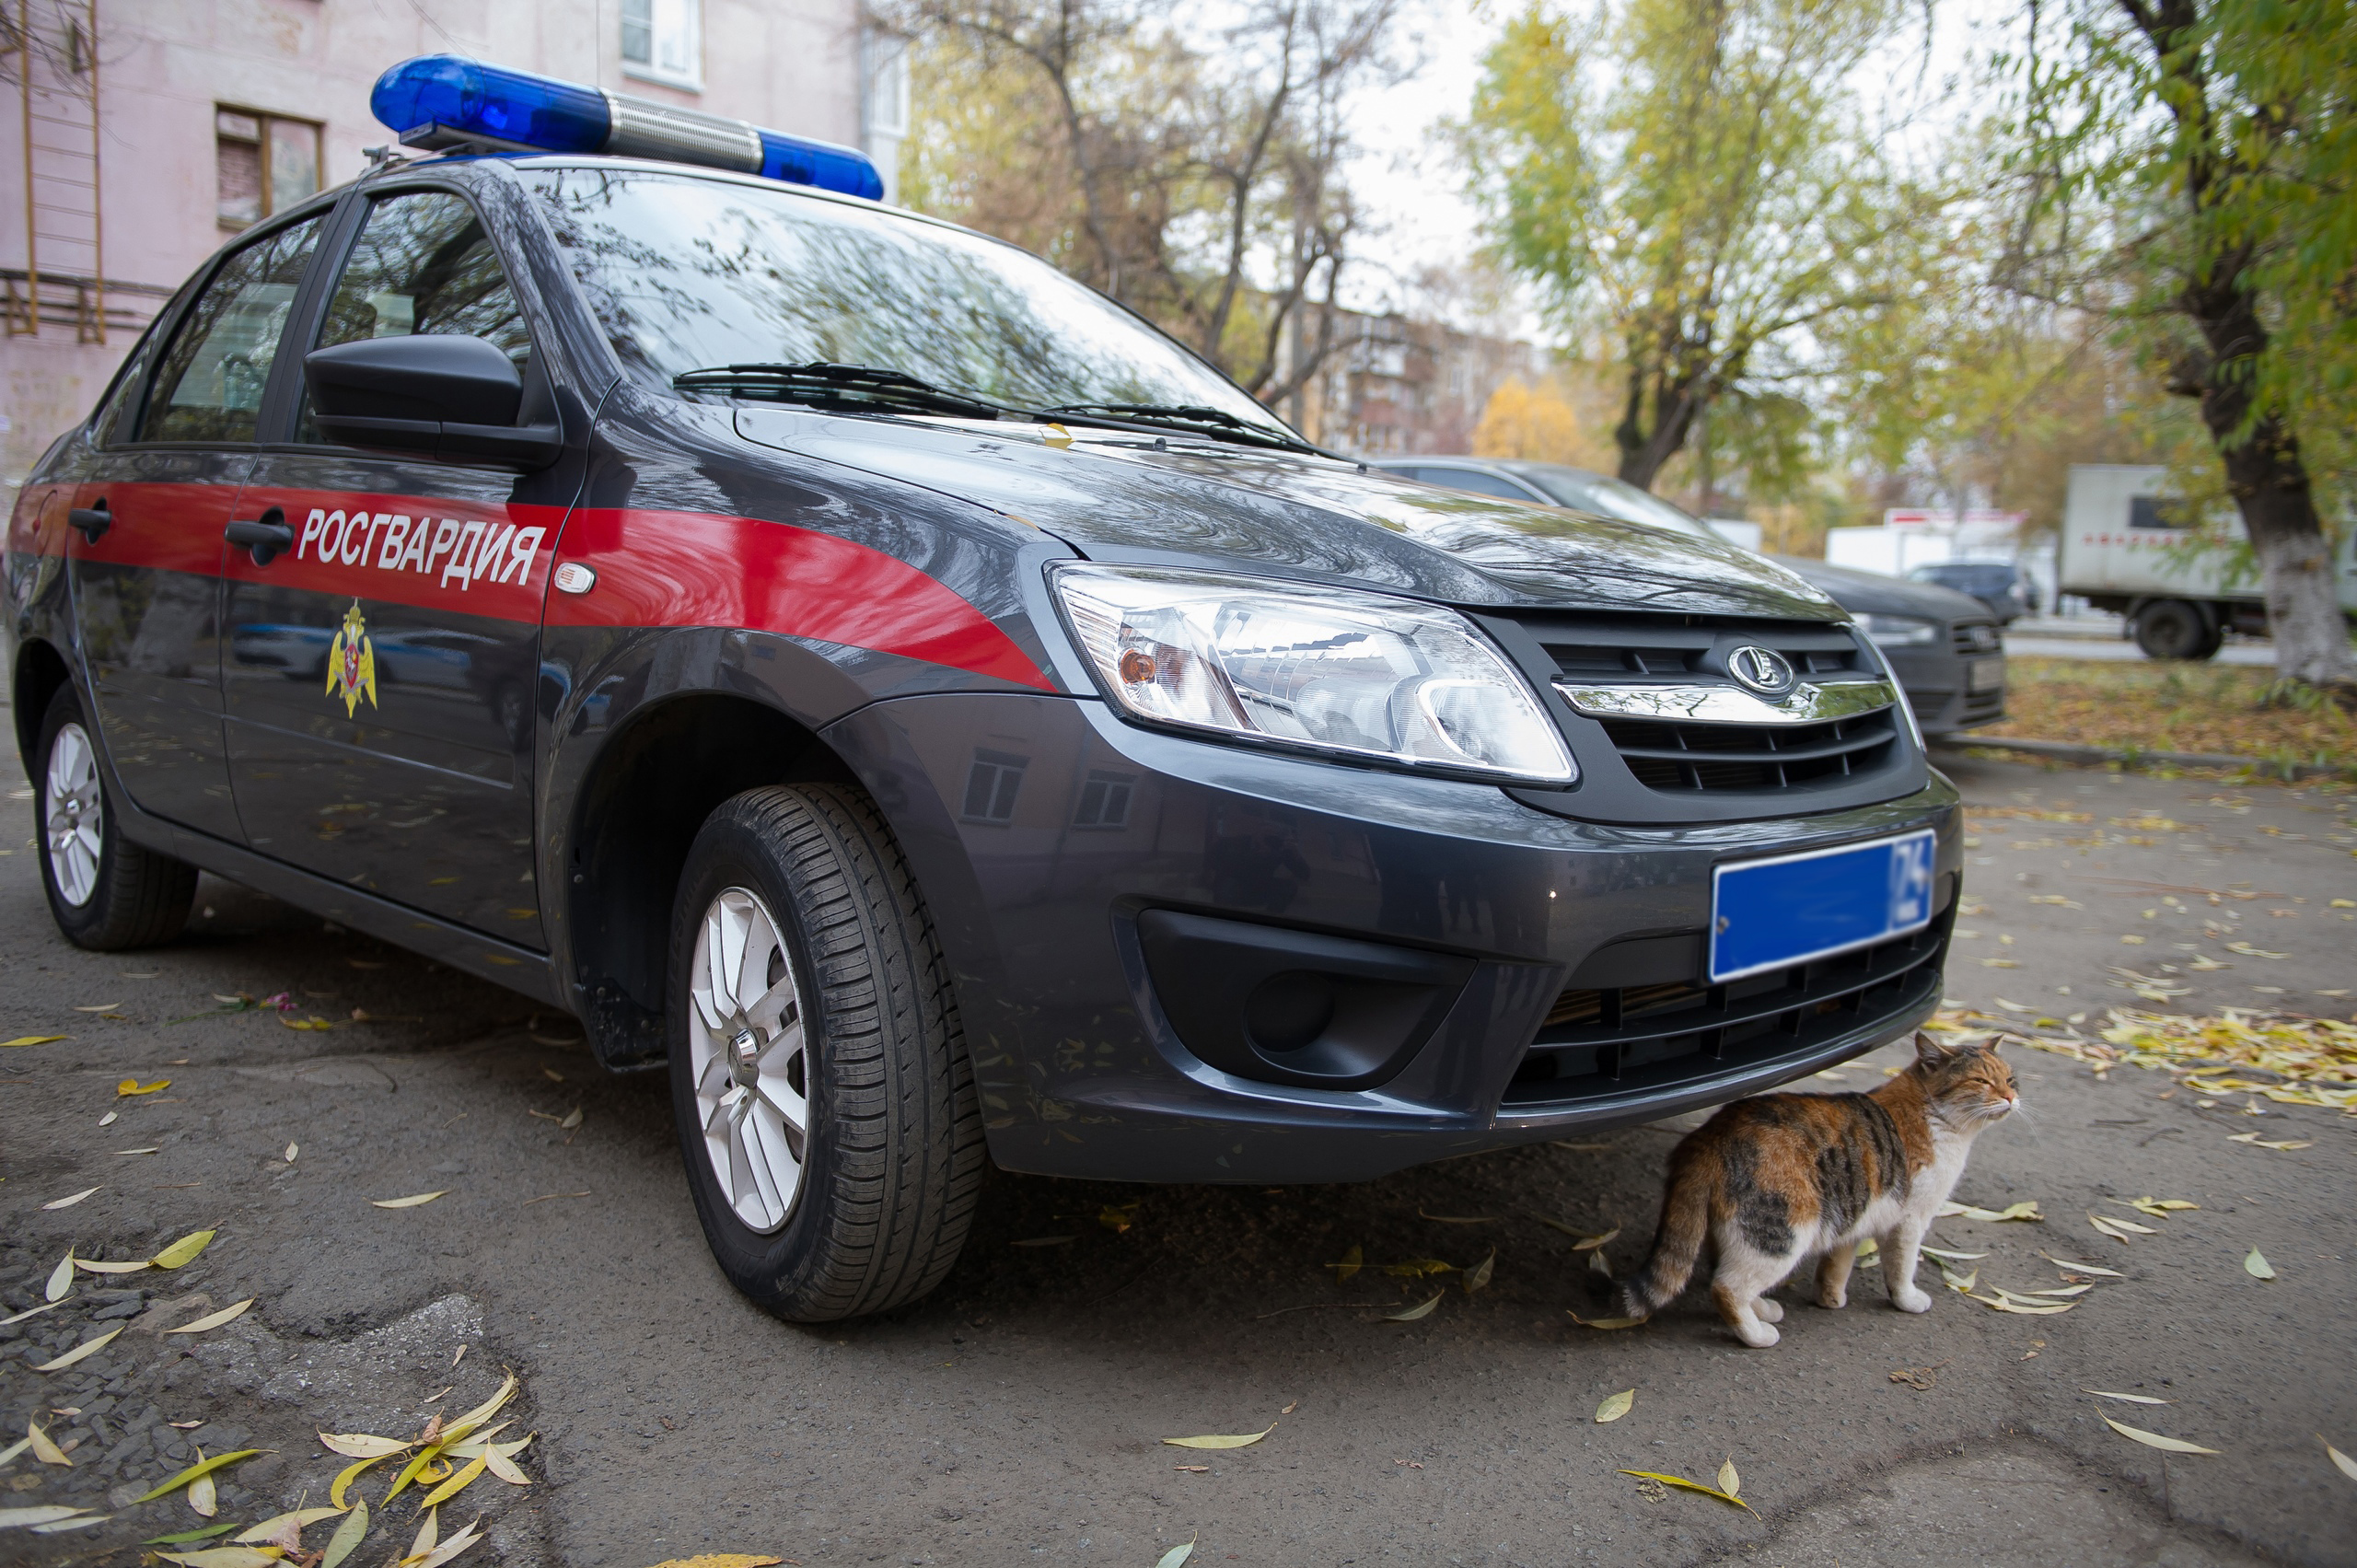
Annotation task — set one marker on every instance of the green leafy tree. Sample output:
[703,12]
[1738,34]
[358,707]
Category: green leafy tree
[1692,183]
[2188,168]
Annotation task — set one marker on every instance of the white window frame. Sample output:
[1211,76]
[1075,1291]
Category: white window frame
[674,32]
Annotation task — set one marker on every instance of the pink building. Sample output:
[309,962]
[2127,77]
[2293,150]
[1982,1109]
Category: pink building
[137,135]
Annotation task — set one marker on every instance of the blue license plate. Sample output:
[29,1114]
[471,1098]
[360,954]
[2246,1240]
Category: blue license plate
[1766,915]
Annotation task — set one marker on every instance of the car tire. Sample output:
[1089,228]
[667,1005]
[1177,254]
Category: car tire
[2173,629]
[832,1003]
[105,892]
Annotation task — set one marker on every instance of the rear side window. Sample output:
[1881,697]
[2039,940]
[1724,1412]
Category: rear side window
[422,264]
[209,383]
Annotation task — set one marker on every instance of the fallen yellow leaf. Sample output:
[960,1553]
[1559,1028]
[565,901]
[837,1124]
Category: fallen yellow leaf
[347,1537]
[1478,1275]
[201,1468]
[85,1349]
[184,1252]
[215,1319]
[454,1485]
[1421,1309]
[130,1086]
[727,1560]
[1605,1322]
[2257,1267]
[61,1279]
[2155,1440]
[1730,1481]
[1615,1406]
[1246,1441]
[1590,1243]
[44,1448]
[362,1445]
[71,1199]
[1684,1485]
[2131,1399]
[2340,1461]
[32,1040]
[1353,1261]
[412,1202]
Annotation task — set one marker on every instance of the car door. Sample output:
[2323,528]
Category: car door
[380,679]
[146,566]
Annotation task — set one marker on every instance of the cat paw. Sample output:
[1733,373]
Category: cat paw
[1759,1336]
[1911,1299]
[1768,1311]
[1833,1300]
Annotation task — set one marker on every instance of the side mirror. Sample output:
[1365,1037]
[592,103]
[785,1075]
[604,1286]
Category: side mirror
[451,399]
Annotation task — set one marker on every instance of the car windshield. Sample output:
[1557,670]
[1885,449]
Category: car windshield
[1612,498]
[687,273]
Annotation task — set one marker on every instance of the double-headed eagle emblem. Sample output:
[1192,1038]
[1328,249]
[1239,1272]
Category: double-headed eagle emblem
[352,662]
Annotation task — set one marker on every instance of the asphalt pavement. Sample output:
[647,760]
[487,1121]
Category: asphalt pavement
[1016,1415]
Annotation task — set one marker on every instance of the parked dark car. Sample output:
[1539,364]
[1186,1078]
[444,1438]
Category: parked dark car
[1944,647]
[2002,587]
[959,724]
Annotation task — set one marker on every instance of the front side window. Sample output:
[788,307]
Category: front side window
[262,164]
[422,264]
[209,383]
[687,273]
[663,39]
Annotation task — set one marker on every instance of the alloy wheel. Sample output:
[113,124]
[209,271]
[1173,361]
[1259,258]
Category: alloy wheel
[73,814]
[751,1058]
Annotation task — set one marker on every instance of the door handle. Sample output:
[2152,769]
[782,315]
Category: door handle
[265,537]
[93,521]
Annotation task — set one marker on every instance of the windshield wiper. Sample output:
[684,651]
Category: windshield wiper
[828,385]
[1218,423]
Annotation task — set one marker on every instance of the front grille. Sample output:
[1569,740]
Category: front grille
[1974,637]
[1750,757]
[1605,1041]
[1647,758]
[1650,648]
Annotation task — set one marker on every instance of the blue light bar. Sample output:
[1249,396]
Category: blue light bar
[440,101]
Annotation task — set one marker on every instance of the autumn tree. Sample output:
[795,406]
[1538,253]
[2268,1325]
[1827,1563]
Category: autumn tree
[1694,183]
[1199,181]
[2186,169]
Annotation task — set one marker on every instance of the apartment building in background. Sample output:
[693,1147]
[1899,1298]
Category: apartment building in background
[1393,386]
[137,135]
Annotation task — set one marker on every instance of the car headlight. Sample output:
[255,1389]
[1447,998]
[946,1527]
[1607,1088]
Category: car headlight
[1898,631]
[1352,674]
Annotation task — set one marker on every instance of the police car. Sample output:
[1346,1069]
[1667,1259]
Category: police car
[929,713]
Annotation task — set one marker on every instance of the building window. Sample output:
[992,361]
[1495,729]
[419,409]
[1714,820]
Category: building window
[1104,800]
[991,785]
[262,164]
[884,103]
[663,41]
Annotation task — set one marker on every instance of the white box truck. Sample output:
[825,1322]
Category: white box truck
[2124,550]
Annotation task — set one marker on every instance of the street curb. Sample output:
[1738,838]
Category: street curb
[2132,756]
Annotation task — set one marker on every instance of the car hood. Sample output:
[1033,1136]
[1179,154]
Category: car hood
[1115,495]
[1871,593]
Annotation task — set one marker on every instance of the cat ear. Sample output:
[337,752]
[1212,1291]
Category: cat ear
[1931,1051]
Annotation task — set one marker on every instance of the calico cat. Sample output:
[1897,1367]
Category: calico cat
[1772,1180]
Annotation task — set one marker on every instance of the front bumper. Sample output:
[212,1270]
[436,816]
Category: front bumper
[1044,832]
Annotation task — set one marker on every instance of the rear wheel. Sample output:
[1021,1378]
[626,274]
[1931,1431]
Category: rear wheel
[105,892]
[2173,629]
[825,1106]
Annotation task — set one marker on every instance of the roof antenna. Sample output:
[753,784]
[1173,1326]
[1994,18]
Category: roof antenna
[381,157]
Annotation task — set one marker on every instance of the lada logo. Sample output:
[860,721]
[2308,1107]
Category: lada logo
[352,662]
[1759,669]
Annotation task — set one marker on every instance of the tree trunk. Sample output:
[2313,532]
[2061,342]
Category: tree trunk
[2269,484]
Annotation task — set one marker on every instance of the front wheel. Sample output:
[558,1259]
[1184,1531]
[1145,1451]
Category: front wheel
[825,1106]
[105,892]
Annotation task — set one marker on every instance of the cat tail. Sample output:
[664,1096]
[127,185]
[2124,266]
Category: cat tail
[1678,1244]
